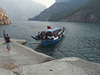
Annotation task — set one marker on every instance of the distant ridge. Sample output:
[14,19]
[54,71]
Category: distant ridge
[57,1]
[21,10]
[56,10]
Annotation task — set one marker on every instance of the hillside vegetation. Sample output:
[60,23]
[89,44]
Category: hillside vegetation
[90,12]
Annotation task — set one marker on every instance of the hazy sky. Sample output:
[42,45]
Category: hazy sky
[47,3]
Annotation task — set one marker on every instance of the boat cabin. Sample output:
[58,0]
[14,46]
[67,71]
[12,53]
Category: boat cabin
[50,34]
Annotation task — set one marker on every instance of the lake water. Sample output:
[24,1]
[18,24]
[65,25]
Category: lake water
[80,40]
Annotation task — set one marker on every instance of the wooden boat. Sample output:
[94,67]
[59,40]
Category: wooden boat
[50,36]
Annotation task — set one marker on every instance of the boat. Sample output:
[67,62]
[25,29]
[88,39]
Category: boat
[50,36]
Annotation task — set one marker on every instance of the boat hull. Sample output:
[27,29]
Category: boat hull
[50,42]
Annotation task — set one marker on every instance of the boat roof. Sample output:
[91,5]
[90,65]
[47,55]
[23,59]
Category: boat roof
[52,30]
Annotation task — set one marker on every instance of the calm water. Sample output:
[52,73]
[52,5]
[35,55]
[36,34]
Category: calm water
[80,40]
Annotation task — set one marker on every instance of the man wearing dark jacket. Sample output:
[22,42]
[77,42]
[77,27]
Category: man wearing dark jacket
[8,42]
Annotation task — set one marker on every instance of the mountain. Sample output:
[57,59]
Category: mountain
[4,19]
[89,12]
[59,7]
[19,10]
[57,1]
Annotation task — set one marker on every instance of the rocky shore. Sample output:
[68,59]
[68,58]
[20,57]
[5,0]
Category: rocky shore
[26,61]
[4,19]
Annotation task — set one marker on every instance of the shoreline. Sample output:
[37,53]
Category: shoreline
[25,61]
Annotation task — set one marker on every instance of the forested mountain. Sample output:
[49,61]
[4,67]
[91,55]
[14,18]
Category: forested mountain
[21,9]
[58,8]
[89,12]
[4,19]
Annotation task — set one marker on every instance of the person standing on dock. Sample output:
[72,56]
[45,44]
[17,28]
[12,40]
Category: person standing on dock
[4,35]
[8,42]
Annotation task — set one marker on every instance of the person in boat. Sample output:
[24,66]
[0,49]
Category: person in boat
[41,34]
[38,35]
[49,35]
[46,36]
[55,33]
[52,35]
[63,29]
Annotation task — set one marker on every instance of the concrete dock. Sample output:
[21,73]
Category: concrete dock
[26,61]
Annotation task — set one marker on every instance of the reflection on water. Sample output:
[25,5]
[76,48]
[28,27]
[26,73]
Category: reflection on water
[49,49]
[80,40]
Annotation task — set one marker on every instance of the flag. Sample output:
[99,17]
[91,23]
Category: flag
[48,27]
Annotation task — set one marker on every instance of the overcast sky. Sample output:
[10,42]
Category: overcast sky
[47,3]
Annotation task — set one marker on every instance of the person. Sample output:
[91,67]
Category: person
[8,42]
[46,36]
[55,34]
[4,35]
[41,34]
[38,35]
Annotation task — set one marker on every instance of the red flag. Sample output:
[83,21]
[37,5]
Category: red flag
[48,27]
